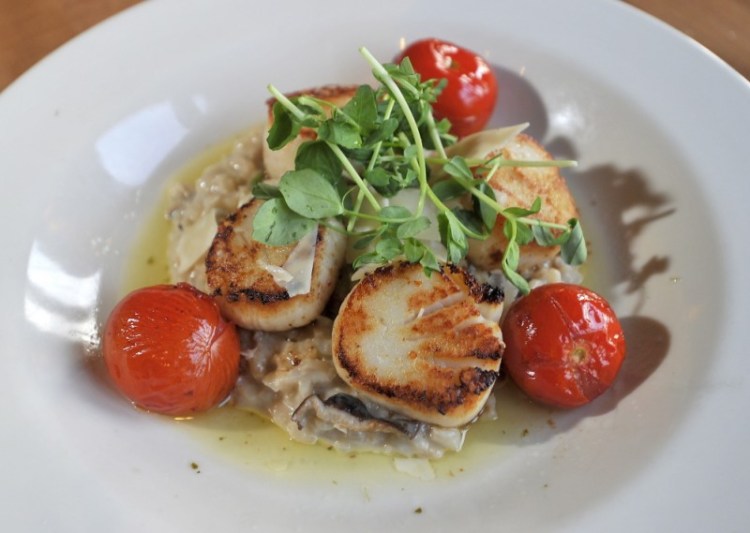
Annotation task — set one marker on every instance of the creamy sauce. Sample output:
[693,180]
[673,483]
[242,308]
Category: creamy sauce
[147,261]
[262,448]
[259,446]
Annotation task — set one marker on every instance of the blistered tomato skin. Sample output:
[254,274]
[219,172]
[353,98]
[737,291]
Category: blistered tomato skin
[470,95]
[168,349]
[564,344]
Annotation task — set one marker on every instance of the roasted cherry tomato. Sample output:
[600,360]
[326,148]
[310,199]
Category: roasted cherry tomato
[564,344]
[470,95]
[169,350]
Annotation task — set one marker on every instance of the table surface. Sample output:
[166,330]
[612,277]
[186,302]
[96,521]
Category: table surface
[31,29]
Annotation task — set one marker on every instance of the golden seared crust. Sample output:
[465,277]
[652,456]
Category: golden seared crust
[237,275]
[519,186]
[277,162]
[419,345]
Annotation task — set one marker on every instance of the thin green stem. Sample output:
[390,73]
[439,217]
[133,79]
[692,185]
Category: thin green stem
[495,166]
[435,136]
[286,102]
[300,115]
[537,222]
[501,163]
[558,163]
[379,144]
[334,227]
[376,218]
[370,166]
[382,75]
[357,207]
[354,175]
[479,195]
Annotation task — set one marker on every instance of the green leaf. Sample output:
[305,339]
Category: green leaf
[359,156]
[366,259]
[455,252]
[429,262]
[344,134]
[524,235]
[310,105]
[364,242]
[410,178]
[544,237]
[403,68]
[411,152]
[318,156]
[516,279]
[448,189]
[452,236]
[444,126]
[309,194]
[413,250]
[487,213]
[362,108]
[378,177]
[512,256]
[457,232]
[406,78]
[412,228]
[508,228]
[389,248]
[522,212]
[458,168]
[264,191]
[469,219]
[509,266]
[284,127]
[371,145]
[394,212]
[573,251]
[537,205]
[276,225]
[382,131]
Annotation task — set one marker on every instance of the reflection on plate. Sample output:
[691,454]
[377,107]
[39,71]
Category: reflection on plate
[98,127]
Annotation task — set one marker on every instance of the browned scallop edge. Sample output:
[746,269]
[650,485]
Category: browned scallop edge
[481,292]
[472,381]
[225,232]
[497,255]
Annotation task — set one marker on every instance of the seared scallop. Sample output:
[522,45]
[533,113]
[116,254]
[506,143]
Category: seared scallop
[426,347]
[519,187]
[277,162]
[271,288]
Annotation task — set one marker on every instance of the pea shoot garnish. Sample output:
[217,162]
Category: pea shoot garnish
[383,141]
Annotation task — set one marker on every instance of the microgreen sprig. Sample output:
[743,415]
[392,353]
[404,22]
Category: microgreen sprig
[375,146]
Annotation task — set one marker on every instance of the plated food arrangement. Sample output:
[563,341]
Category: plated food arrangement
[364,268]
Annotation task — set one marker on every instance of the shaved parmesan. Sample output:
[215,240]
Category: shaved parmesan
[195,241]
[479,145]
[295,275]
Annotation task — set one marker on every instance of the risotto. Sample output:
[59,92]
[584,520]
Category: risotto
[289,377]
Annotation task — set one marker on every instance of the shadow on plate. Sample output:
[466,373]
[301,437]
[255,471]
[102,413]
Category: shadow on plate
[617,206]
[648,343]
[623,204]
[611,193]
[520,103]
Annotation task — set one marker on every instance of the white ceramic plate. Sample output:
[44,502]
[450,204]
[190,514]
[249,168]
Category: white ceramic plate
[659,126]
